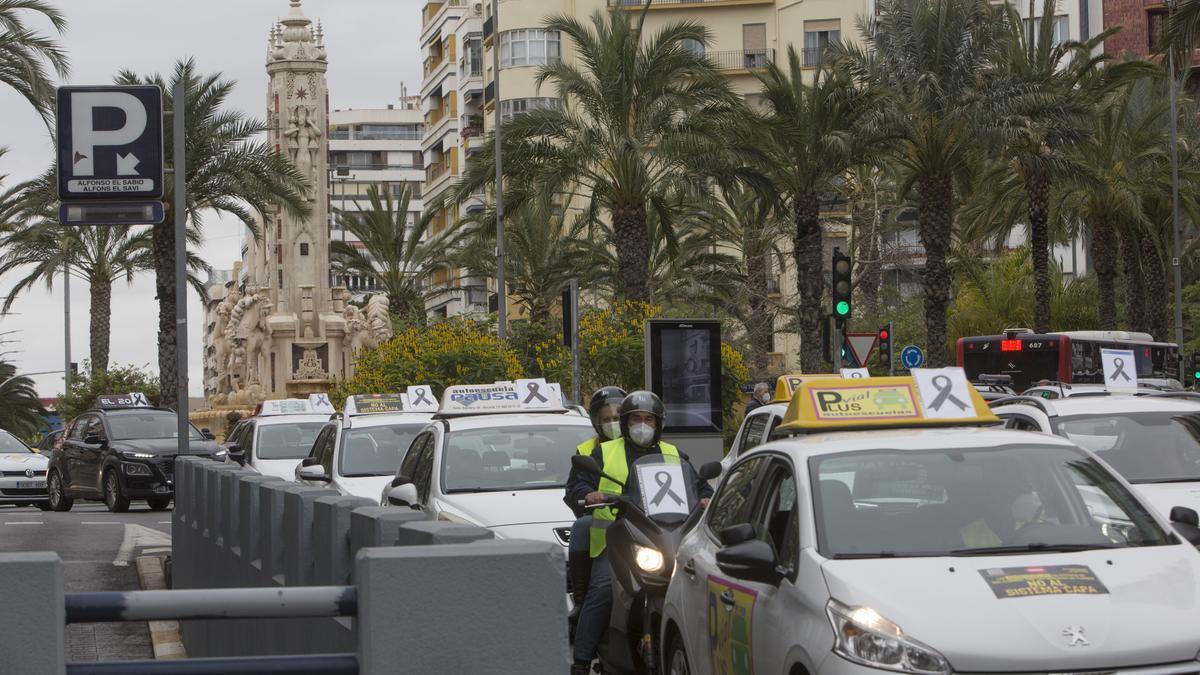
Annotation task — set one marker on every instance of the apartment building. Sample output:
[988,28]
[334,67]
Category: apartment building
[378,147]
[452,93]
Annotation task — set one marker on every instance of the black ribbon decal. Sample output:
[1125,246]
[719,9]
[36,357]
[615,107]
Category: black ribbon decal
[945,393]
[323,400]
[1120,364]
[420,392]
[664,489]
[535,392]
[140,399]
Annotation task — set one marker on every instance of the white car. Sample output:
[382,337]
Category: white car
[873,541]
[358,451]
[1152,440]
[277,437]
[494,463]
[22,474]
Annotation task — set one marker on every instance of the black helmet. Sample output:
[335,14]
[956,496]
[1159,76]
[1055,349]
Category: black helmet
[604,396]
[642,401]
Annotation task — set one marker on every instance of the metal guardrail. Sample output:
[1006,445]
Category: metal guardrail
[222,603]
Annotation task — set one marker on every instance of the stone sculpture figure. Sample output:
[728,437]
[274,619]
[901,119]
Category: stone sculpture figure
[379,319]
[358,331]
[249,330]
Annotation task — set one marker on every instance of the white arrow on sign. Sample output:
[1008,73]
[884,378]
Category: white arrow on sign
[85,139]
[127,165]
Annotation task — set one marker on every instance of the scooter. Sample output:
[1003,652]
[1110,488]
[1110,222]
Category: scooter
[658,507]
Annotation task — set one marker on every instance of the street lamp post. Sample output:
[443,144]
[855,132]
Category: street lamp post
[501,289]
[1176,254]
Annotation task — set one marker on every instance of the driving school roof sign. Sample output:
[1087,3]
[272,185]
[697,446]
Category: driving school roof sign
[525,395]
[880,402]
[110,143]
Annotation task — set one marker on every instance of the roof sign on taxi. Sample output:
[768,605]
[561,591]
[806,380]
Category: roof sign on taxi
[320,403]
[131,400]
[843,404]
[421,398]
[522,395]
[855,373]
[370,404]
[786,385]
[284,406]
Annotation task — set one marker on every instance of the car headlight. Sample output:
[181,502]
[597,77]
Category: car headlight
[864,636]
[129,454]
[648,559]
[132,469]
[221,455]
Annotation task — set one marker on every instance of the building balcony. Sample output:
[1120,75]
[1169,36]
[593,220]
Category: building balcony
[489,27]
[432,8]
[433,117]
[674,4]
[742,59]
[489,92]
[435,171]
[470,126]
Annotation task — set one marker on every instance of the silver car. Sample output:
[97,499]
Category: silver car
[22,474]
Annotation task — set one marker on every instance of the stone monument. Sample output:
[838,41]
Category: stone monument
[283,328]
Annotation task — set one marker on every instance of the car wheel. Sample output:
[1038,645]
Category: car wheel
[59,501]
[113,499]
[677,663]
[45,506]
[159,503]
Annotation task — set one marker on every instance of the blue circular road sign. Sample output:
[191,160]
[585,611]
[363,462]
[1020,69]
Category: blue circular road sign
[912,357]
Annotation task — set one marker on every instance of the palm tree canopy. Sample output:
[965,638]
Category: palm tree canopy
[20,409]
[25,53]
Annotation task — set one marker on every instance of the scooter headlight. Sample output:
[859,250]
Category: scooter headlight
[648,559]
[864,636]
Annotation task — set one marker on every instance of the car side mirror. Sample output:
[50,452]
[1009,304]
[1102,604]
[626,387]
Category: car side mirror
[236,453]
[710,470]
[401,479]
[208,434]
[752,560]
[404,495]
[1187,523]
[312,472]
[736,534]
[95,439]
[309,461]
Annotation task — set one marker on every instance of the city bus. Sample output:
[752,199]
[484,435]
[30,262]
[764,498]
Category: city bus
[1070,357]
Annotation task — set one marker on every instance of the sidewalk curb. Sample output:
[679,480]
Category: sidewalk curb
[164,635]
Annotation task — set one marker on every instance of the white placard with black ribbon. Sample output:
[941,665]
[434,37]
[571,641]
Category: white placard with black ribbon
[1120,369]
[663,489]
[855,373]
[535,393]
[320,403]
[421,399]
[945,393]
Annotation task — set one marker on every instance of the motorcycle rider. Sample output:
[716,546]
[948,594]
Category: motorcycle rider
[603,411]
[641,422]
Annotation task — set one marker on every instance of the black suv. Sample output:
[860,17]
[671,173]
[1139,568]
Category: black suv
[121,450]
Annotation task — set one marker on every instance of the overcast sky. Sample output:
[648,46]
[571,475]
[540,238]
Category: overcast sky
[373,51]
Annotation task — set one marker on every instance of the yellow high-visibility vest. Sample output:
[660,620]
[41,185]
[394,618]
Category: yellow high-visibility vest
[615,465]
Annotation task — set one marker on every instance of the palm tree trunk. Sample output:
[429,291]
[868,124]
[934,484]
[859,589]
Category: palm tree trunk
[100,330]
[936,213]
[1037,189]
[1135,290]
[810,279]
[760,320]
[1158,309]
[1104,261]
[163,239]
[633,250]
[869,261]
[398,305]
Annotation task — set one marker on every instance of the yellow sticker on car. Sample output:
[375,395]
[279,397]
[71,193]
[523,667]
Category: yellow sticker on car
[730,618]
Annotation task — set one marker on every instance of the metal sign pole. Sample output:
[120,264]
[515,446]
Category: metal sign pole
[179,174]
[66,326]
[501,288]
[575,384]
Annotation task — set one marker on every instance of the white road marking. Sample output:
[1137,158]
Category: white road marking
[99,522]
[164,522]
[26,522]
[139,536]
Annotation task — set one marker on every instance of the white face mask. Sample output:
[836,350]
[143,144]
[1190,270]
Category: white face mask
[611,429]
[642,434]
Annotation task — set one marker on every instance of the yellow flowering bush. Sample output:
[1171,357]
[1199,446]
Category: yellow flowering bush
[451,352]
[612,345]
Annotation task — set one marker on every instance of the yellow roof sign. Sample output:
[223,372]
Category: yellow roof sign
[786,385]
[880,402]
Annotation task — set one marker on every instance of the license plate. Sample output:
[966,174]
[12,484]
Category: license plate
[31,484]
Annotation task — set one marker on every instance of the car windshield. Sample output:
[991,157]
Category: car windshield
[513,458]
[1009,499]
[10,445]
[376,451]
[1144,447]
[286,441]
[145,425]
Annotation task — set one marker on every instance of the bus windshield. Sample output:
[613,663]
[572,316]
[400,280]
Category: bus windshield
[987,356]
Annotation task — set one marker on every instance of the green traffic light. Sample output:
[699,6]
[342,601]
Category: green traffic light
[1196,374]
[842,308]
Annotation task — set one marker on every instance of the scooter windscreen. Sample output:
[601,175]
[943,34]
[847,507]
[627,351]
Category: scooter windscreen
[664,487]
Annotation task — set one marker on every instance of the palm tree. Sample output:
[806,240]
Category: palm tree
[1043,93]
[927,57]
[636,115]
[230,169]
[398,256]
[25,53]
[20,409]
[544,250]
[811,134]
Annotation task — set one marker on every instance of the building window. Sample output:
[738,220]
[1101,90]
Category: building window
[1156,26]
[694,46]
[1062,29]
[818,35]
[472,62]
[529,47]
[519,106]
[303,249]
[280,279]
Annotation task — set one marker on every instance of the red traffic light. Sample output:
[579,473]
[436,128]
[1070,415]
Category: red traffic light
[883,334]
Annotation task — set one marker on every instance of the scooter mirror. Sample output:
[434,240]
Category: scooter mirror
[585,463]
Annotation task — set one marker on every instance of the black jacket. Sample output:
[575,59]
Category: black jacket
[579,485]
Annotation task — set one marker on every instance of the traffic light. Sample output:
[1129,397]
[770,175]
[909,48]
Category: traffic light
[885,347]
[840,284]
[1195,368]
